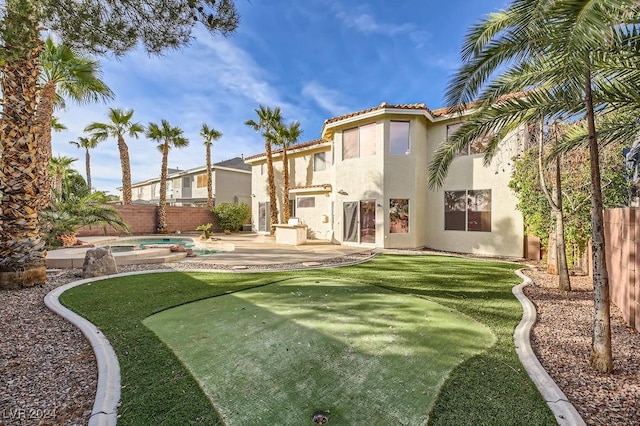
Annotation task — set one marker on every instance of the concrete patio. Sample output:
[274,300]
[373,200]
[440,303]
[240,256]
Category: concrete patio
[238,249]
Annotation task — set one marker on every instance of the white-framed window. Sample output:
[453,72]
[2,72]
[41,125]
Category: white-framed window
[399,137]
[359,142]
[468,210]
[305,202]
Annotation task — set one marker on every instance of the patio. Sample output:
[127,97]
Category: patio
[240,250]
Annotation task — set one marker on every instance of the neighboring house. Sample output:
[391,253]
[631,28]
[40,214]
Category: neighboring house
[365,182]
[231,181]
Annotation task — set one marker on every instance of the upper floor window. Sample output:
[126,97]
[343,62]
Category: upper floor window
[201,180]
[319,161]
[263,167]
[477,146]
[467,210]
[399,138]
[359,142]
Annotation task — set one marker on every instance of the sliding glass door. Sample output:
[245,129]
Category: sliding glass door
[359,221]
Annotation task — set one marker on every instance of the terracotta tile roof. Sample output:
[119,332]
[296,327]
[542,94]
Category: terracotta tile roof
[291,148]
[324,186]
[440,112]
[416,106]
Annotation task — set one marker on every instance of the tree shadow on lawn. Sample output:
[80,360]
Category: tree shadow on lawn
[279,352]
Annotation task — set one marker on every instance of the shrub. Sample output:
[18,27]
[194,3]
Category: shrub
[231,217]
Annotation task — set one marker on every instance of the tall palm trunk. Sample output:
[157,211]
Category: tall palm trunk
[126,171]
[601,356]
[162,204]
[22,251]
[87,166]
[271,186]
[44,114]
[209,176]
[285,176]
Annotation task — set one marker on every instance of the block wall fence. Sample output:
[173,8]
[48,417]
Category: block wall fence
[144,220]
[622,238]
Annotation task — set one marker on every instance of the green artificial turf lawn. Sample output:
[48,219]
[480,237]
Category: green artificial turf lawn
[279,353]
[489,388]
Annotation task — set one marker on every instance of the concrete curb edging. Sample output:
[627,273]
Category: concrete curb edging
[105,406]
[107,401]
[564,411]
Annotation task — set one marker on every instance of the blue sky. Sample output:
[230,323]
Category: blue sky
[315,59]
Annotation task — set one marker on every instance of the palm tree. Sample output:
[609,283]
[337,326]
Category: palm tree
[70,211]
[285,136]
[87,144]
[60,169]
[559,53]
[65,74]
[22,255]
[119,125]
[268,120]
[119,29]
[167,137]
[209,134]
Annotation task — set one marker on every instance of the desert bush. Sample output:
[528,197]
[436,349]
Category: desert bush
[231,217]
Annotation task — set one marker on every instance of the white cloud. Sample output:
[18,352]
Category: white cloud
[327,98]
[366,23]
[212,81]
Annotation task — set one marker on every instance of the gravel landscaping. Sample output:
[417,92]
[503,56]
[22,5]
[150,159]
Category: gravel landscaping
[48,372]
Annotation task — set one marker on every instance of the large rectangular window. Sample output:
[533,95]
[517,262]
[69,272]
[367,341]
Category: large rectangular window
[399,138]
[359,142]
[399,216]
[467,210]
[350,148]
[201,180]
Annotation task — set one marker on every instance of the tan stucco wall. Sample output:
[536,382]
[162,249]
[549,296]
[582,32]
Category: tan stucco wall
[405,178]
[314,218]
[382,177]
[466,173]
[360,179]
[301,174]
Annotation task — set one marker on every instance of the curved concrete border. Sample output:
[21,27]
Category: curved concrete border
[105,406]
[564,411]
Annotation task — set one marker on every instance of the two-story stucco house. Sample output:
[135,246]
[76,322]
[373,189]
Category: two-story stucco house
[231,180]
[365,182]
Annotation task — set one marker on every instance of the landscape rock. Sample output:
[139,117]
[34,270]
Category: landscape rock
[99,261]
